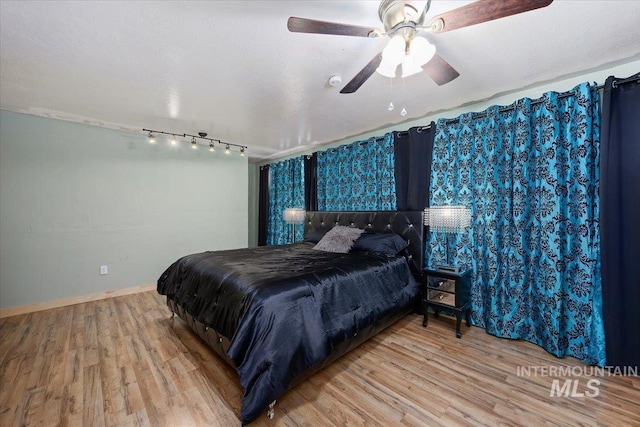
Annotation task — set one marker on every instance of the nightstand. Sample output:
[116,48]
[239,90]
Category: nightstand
[446,290]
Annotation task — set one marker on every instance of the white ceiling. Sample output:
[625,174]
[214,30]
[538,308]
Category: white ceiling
[232,69]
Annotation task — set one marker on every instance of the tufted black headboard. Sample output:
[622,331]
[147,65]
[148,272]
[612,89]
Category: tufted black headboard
[407,224]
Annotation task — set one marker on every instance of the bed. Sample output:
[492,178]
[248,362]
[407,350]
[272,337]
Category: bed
[278,314]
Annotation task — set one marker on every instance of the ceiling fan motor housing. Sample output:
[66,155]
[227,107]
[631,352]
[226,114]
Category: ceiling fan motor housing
[394,13]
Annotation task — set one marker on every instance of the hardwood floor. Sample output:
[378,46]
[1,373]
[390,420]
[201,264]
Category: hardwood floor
[124,361]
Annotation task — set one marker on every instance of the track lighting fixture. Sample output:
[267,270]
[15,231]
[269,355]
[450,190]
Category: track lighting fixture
[194,140]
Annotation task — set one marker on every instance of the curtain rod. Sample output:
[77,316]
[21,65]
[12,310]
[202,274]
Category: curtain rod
[615,84]
[479,115]
[507,108]
[363,142]
[419,129]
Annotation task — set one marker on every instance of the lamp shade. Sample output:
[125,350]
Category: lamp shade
[421,51]
[293,215]
[409,66]
[392,56]
[387,69]
[447,219]
[412,56]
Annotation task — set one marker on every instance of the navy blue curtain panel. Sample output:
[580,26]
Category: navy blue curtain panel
[413,151]
[620,220]
[311,182]
[263,205]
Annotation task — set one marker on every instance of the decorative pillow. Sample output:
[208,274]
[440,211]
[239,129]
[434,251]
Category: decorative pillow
[339,239]
[385,243]
[315,235]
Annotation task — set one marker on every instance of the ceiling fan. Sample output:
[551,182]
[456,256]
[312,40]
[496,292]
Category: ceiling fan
[403,22]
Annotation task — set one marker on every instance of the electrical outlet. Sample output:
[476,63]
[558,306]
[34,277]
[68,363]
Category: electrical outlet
[103,270]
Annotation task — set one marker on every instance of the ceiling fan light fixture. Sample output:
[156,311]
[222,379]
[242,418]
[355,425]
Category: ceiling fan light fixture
[392,56]
[409,66]
[421,51]
[394,51]
[387,69]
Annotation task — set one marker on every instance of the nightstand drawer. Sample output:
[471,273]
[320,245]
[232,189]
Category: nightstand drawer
[446,298]
[441,284]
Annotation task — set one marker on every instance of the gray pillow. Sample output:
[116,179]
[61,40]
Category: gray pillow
[339,239]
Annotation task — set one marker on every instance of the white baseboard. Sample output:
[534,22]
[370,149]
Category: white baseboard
[14,311]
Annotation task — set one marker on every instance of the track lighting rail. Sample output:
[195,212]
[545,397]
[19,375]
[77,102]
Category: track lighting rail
[200,136]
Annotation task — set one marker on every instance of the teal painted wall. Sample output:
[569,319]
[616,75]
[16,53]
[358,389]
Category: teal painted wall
[74,197]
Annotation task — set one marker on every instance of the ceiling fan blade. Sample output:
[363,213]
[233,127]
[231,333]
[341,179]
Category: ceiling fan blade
[440,70]
[303,25]
[363,75]
[482,11]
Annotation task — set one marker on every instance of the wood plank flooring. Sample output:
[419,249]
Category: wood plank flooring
[125,362]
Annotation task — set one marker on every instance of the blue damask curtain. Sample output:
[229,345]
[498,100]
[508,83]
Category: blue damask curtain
[358,176]
[286,190]
[530,174]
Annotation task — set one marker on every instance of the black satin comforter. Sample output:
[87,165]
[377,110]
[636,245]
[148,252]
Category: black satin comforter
[286,308]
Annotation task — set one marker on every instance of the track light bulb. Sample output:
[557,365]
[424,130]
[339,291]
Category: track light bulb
[242,151]
[174,140]
[227,150]
[152,138]
[211,147]
[193,143]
